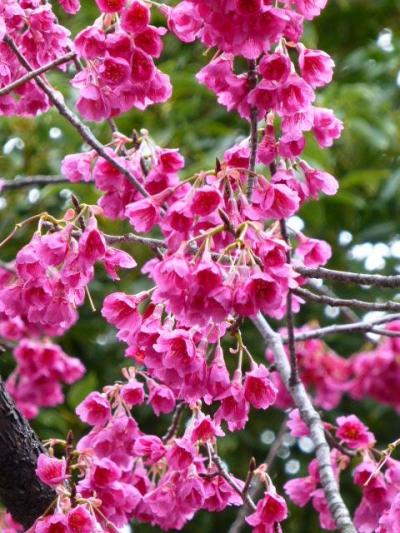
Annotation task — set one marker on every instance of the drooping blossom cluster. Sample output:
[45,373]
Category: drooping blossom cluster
[40,39]
[51,276]
[133,475]
[39,295]
[117,52]
[152,167]
[42,369]
[281,89]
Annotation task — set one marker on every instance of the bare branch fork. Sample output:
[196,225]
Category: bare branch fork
[311,417]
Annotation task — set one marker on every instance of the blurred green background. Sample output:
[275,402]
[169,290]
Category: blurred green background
[362,223]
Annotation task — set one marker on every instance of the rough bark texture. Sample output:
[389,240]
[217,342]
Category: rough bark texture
[21,492]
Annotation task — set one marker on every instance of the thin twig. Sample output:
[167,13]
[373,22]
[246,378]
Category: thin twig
[37,72]
[225,474]
[153,244]
[175,422]
[376,280]
[32,181]
[361,327]
[326,291]
[258,486]
[252,77]
[311,417]
[294,372]
[73,119]
[342,302]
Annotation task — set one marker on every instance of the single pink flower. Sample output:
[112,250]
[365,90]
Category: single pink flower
[271,509]
[316,67]
[95,409]
[79,520]
[136,17]
[259,390]
[354,433]
[50,470]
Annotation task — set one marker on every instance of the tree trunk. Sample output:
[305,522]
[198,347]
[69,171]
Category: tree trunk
[21,491]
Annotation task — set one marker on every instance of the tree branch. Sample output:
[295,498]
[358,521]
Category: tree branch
[342,302]
[376,280]
[361,326]
[37,72]
[252,77]
[294,371]
[225,474]
[326,291]
[153,244]
[31,181]
[21,491]
[311,417]
[73,119]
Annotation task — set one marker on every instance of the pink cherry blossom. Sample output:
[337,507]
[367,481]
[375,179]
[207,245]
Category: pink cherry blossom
[259,390]
[354,433]
[94,410]
[50,470]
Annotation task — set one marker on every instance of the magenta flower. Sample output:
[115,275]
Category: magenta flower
[110,6]
[259,390]
[95,409]
[79,520]
[132,393]
[205,201]
[271,509]
[50,470]
[313,252]
[161,398]
[150,447]
[316,67]
[136,17]
[354,433]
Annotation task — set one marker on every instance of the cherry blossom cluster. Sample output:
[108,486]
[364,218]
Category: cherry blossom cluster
[152,167]
[119,52]
[372,374]
[41,39]
[114,57]
[51,276]
[281,88]
[39,295]
[42,369]
[133,475]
